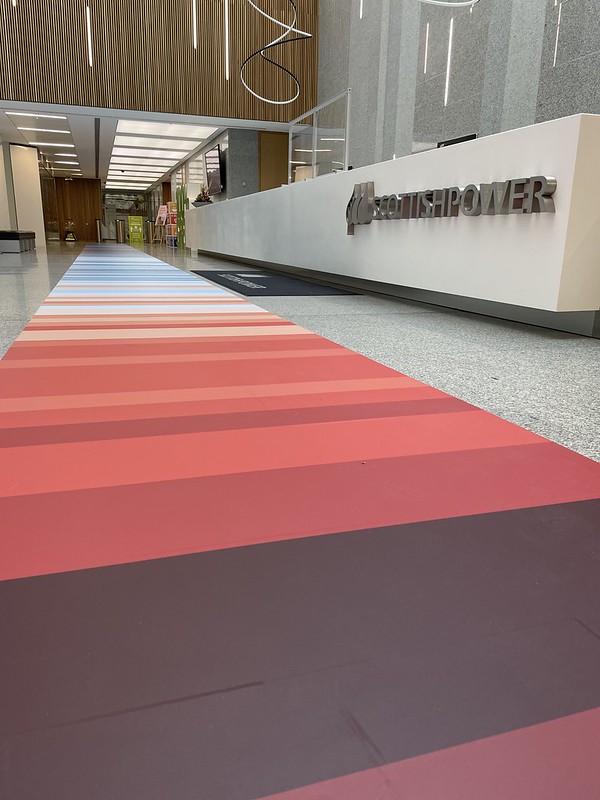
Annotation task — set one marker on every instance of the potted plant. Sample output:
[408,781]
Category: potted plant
[202,198]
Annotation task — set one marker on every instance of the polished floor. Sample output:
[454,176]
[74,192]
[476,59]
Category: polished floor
[241,561]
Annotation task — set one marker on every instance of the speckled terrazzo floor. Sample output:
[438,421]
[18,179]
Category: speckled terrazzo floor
[543,380]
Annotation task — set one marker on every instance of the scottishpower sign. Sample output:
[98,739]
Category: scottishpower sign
[518,196]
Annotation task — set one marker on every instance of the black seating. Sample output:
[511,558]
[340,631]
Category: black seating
[16,241]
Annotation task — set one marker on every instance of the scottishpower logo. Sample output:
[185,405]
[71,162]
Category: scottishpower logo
[517,196]
[361,208]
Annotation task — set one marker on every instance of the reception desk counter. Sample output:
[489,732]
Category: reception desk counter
[503,224]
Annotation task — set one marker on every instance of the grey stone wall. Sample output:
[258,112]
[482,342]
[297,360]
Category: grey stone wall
[239,154]
[512,64]
[242,163]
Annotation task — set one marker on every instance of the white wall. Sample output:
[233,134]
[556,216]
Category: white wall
[28,192]
[543,261]
[4,213]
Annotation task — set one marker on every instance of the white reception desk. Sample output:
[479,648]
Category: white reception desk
[430,244]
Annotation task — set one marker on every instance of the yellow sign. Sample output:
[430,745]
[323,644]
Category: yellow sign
[136,230]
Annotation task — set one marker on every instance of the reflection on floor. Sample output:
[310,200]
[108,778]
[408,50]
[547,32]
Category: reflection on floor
[240,561]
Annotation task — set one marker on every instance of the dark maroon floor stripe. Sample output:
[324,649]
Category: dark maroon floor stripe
[21,437]
[240,673]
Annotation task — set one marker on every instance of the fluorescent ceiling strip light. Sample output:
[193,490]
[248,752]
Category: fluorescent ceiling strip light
[226,39]
[195,23]
[154,176]
[299,150]
[70,155]
[174,155]
[133,171]
[128,140]
[135,178]
[142,162]
[330,139]
[52,144]
[36,116]
[72,163]
[557,34]
[426,49]
[449,62]
[44,130]
[88,22]
[168,129]
[360,10]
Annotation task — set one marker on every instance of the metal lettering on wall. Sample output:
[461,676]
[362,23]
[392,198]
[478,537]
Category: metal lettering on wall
[518,196]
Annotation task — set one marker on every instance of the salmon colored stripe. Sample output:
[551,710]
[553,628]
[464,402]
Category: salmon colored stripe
[245,339]
[69,416]
[39,322]
[137,522]
[189,358]
[556,760]
[23,351]
[87,465]
[141,323]
[146,377]
[211,393]
[281,330]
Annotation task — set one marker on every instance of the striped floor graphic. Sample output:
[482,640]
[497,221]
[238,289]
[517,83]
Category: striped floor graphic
[178,619]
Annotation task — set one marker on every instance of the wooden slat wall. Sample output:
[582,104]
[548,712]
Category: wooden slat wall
[144,57]
[80,201]
[272,159]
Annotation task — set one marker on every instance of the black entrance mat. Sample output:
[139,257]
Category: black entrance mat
[257,283]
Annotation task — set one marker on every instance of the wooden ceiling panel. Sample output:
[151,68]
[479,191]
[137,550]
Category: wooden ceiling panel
[144,58]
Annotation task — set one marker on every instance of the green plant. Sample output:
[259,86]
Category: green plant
[182,201]
[203,196]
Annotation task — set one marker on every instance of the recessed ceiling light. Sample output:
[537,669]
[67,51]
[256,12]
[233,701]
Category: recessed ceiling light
[45,130]
[154,141]
[180,130]
[35,116]
[52,144]
[136,178]
[124,161]
[129,163]
[72,163]
[173,155]
[70,155]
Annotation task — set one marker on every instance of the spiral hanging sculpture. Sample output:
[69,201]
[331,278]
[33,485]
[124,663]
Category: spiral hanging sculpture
[278,42]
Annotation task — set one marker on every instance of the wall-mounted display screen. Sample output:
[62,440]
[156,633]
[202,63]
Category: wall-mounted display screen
[214,174]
